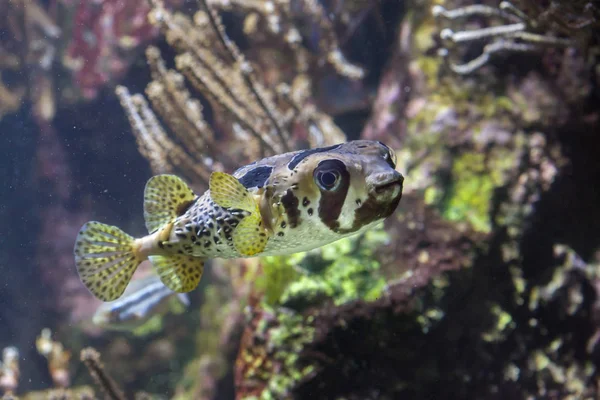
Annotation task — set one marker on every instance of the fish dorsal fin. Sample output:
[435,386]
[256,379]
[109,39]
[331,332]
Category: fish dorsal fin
[180,273]
[228,192]
[166,197]
[250,236]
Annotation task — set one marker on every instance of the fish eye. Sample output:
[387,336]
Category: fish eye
[328,175]
[328,179]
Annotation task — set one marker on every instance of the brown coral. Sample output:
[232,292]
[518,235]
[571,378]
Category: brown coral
[265,121]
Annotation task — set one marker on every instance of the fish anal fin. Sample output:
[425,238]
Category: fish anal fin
[228,192]
[249,237]
[166,197]
[180,273]
[105,258]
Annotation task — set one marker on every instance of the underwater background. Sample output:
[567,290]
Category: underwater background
[484,284]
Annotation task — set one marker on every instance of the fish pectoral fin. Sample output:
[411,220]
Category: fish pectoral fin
[166,197]
[105,258]
[249,237]
[180,273]
[228,192]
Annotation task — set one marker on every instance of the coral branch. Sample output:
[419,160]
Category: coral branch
[247,72]
[91,358]
[251,121]
[516,35]
[58,358]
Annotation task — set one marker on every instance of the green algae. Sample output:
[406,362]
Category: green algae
[275,357]
[461,185]
[153,325]
[339,272]
[475,178]
[450,146]
[291,335]
[278,273]
[306,292]
[212,316]
[503,326]
[470,193]
[210,356]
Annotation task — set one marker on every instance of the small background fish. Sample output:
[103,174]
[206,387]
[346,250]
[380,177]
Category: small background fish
[144,301]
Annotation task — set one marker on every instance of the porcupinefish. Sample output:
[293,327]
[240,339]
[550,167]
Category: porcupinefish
[283,204]
[143,299]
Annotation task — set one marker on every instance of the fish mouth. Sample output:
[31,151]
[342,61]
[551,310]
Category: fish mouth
[390,185]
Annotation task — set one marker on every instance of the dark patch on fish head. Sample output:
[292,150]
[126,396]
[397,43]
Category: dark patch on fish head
[287,197]
[301,155]
[370,211]
[290,204]
[333,180]
[256,177]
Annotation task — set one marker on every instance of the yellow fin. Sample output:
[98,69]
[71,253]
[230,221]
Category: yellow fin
[105,259]
[180,273]
[165,198]
[228,192]
[249,237]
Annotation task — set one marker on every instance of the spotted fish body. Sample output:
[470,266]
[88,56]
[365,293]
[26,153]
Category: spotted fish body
[280,205]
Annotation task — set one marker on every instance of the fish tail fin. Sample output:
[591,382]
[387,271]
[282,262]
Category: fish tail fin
[106,258]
